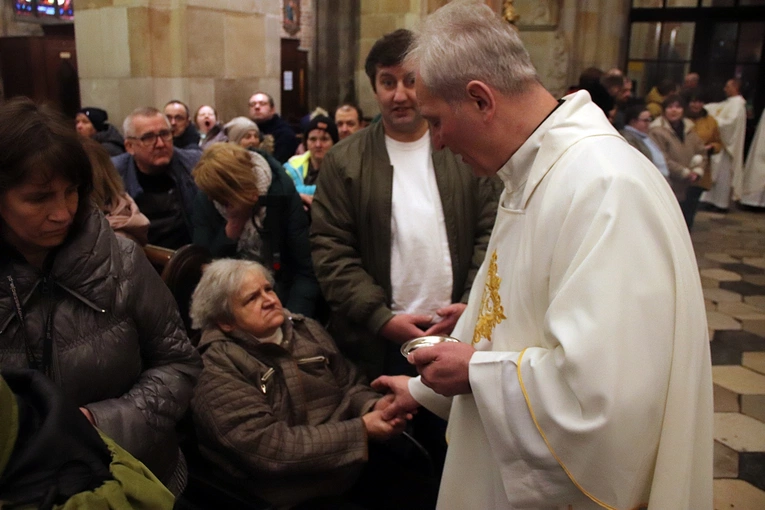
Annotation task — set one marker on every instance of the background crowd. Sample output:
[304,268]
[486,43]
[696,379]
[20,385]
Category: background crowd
[329,261]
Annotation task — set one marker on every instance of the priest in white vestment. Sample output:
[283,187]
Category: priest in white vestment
[727,165]
[583,375]
[753,192]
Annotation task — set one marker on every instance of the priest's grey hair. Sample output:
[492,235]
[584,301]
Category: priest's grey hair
[211,301]
[465,41]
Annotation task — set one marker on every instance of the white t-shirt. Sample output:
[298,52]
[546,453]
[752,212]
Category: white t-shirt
[421,265]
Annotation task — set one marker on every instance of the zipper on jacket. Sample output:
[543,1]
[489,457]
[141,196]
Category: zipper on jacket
[304,361]
[264,379]
[313,359]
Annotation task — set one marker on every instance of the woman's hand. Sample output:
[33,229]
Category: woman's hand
[381,429]
[237,217]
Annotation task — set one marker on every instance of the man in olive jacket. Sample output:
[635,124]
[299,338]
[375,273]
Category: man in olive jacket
[398,230]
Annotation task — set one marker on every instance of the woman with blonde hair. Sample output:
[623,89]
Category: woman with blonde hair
[110,197]
[248,208]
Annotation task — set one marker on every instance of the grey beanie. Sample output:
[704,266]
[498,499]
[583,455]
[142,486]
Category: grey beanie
[238,127]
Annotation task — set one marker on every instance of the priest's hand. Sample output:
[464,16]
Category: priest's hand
[386,401]
[449,317]
[404,326]
[444,367]
[402,404]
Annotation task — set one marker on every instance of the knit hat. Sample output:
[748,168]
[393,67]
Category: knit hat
[97,117]
[238,127]
[325,124]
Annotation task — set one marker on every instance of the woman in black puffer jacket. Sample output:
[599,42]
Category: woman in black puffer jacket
[81,305]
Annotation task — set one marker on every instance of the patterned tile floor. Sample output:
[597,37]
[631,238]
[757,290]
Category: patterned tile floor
[730,249]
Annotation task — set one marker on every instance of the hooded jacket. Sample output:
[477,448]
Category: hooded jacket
[111,140]
[118,346]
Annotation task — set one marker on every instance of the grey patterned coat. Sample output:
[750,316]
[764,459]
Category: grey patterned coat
[285,419]
[119,346]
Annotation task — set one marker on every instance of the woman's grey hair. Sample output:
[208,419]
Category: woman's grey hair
[211,301]
[465,41]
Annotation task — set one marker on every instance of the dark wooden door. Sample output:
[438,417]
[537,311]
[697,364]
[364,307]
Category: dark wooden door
[294,94]
[41,68]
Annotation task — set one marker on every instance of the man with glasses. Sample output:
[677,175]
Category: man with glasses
[263,113]
[158,176]
[185,135]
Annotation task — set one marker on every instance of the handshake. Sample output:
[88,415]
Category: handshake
[443,368]
[384,421]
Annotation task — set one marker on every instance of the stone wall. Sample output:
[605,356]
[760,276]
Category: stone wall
[134,53]
[563,37]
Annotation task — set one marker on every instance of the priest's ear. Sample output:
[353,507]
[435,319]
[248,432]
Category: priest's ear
[481,97]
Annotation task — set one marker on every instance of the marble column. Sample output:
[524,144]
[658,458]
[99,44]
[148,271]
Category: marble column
[135,53]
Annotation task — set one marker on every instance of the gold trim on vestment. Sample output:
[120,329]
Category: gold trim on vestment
[492,313]
[536,424]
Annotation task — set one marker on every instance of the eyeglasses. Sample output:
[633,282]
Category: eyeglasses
[649,119]
[149,139]
[259,103]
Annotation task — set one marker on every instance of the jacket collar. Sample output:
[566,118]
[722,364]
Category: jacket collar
[79,267]
[662,122]
[247,341]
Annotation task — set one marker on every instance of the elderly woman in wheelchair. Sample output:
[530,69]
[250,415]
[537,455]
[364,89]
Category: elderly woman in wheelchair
[277,406]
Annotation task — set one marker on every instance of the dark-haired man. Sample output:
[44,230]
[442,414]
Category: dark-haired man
[399,228]
[407,271]
[185,135]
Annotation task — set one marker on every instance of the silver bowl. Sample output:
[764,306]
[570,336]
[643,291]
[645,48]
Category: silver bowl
[424,341]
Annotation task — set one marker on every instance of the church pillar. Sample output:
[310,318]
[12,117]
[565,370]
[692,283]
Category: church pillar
[135,53]
[335,53]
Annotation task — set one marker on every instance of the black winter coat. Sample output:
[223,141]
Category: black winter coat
[111,140]
[118,345]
